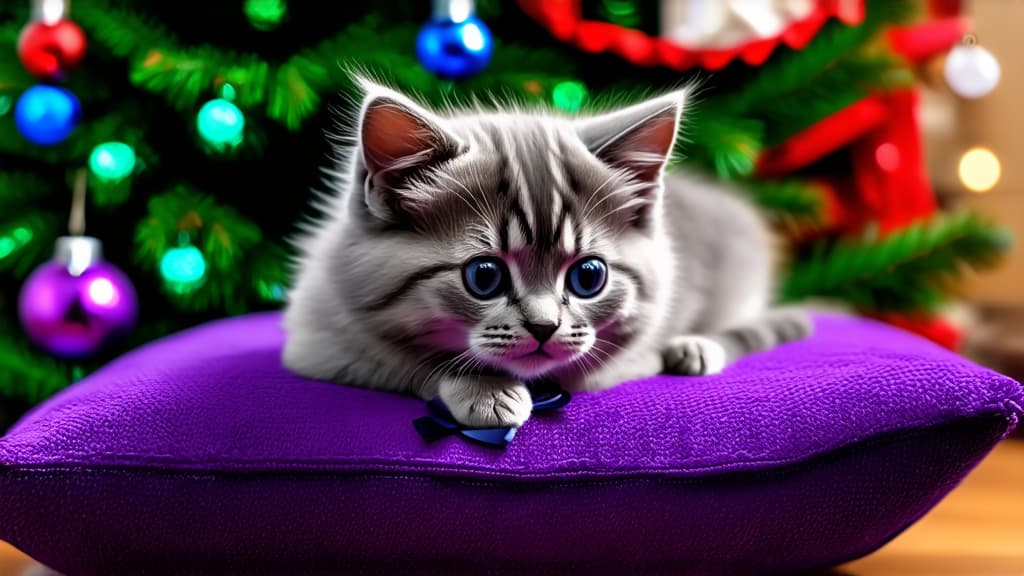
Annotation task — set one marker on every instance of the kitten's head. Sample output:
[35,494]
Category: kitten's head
[525,243]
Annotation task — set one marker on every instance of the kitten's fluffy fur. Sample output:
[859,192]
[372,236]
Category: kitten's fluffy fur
[380,299]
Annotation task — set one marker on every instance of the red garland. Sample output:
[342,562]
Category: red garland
[564,19]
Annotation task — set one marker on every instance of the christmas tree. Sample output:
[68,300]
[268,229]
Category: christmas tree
[201,140]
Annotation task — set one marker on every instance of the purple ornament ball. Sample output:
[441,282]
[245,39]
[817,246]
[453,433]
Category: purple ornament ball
[74,316]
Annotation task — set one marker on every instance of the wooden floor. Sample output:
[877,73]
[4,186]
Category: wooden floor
[977,531]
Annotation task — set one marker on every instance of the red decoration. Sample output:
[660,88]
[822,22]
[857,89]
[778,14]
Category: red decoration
[942,332]
[564,19]
[50,51]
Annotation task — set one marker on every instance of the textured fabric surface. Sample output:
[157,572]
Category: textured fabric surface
[201,452]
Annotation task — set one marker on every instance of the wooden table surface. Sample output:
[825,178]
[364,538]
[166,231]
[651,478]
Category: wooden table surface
[978,530]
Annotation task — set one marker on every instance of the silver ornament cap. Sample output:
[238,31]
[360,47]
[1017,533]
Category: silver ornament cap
[78,253]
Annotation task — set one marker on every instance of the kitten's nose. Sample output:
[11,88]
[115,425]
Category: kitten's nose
[542,331]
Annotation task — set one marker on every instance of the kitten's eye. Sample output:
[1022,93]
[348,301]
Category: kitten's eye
[587,277]
[485,277]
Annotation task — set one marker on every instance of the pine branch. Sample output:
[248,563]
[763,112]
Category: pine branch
[729,146]
[185,76]
[911,269]
[294,93]
[18,188]
[836,88]
[26,240]
[124,33]
[227,240]
[25,373]
[268,269]
[787,198]
[789,70]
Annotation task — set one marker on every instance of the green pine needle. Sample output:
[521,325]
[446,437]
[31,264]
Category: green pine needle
[231,244]
[25,373]
[788,198]
[20,188]
[729,146]
[911,269]
[26,239]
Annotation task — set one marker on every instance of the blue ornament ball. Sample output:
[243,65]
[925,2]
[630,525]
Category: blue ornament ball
[46,115]
[455,49]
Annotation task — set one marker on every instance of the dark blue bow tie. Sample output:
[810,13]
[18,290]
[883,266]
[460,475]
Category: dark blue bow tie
[440,423]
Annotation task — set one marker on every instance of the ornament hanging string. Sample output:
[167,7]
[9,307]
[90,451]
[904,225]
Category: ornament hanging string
[76,222]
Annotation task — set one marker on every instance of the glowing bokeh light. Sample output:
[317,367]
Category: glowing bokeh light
[979,169]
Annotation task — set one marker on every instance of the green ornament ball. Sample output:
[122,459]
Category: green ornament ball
[112,161]
[569,95]
[265,14]
[183,269]
[221,123]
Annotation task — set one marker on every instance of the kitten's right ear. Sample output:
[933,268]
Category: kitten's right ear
[399,140]
[639,138]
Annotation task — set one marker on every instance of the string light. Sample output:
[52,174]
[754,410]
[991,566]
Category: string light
[183,268]
[112,161]
[569,95]
[979,169]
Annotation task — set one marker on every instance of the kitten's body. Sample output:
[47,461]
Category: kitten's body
[381,299]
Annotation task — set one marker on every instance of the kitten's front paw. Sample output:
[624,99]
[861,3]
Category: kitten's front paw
[693,356]
[486,401]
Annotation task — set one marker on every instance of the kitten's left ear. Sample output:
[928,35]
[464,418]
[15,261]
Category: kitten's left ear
[638,139]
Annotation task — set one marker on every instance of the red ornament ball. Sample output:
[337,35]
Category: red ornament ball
[50,51]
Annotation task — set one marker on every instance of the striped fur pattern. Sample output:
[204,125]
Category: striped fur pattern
[380,299]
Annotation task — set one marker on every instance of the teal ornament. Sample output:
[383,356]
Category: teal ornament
[221,123]
[183,269]
[112,161]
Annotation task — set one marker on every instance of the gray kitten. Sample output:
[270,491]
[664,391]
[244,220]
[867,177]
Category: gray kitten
[470,253]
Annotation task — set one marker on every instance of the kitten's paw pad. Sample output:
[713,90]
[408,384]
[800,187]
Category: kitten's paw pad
[478,403]
[693,356]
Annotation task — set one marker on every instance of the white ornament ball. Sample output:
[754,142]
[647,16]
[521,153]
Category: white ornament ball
[971,71]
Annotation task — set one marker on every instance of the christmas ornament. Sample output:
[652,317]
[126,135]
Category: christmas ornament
[221,123]
[621,12]
[454,43]
[265,14]
[569,95]
[183,268]
[50,51]
[76,304]
[112,161]
[46,115]
[971,71]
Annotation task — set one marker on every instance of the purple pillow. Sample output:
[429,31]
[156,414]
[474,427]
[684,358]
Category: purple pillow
[200,453]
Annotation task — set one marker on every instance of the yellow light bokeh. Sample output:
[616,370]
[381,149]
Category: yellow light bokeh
[979,169]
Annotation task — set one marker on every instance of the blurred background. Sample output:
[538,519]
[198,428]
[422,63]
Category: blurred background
[155,157]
